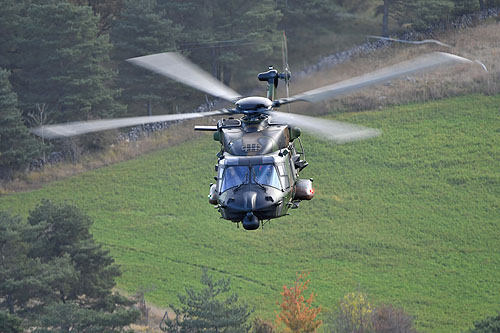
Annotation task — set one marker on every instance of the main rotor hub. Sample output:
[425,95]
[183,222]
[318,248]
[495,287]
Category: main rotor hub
[254,104]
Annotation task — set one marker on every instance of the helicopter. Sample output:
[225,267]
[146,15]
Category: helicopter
[261,155]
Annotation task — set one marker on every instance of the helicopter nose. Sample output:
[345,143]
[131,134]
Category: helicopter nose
[249,200]
[251,204]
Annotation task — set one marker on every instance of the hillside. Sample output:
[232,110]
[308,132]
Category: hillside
[409,218]
[478,42]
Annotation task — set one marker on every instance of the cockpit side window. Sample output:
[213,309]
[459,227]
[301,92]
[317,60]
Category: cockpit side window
[234,176]
[291,170]
[284,175]
[220,172]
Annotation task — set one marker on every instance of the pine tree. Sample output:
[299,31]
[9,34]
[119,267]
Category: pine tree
[61,61]
[422,13]
[324,13]
[9,323]
[208,310]
[142,30]
[303,19]
[17,145]
[54,275]
[394,9]
[64,230]
[10,25]
[107,10]
[235,39]
[255,23]
[70,317]
[26,283]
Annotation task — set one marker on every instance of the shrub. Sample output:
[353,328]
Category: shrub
[354,314]
[297,313]
[260,325]
[386,318]
[488,325]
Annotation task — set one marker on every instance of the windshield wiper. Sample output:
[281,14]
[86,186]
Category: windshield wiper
[256,182]
[238,187]
[243,183]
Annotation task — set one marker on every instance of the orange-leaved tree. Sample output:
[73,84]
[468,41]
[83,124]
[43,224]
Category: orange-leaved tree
[297,313]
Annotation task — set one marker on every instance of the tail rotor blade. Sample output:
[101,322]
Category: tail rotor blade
[175,66]
[283,52]
[286,69]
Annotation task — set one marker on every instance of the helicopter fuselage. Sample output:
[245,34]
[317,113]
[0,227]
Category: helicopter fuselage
[257,171]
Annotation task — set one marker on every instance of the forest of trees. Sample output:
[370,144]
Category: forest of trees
[55,277]
[63,60]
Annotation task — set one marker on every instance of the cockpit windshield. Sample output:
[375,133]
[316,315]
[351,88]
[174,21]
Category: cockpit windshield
[263,174]
[234,176]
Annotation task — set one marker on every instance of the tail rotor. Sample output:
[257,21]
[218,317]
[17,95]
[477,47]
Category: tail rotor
[286,69]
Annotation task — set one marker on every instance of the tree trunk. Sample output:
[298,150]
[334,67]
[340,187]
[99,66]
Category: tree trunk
[10,304]
[5,172]
[481,5]
[385,19]
[214,60]
[150,113]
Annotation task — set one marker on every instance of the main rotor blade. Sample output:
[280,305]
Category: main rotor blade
[176,67]
[336,131]
[82,127]
[419,64]
[425,41]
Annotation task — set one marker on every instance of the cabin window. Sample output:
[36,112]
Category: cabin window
[234,176]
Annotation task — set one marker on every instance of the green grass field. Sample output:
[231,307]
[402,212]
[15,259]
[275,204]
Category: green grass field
[410,218]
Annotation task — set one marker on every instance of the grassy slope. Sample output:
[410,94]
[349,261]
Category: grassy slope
[410,218]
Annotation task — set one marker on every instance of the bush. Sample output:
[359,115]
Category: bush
[260,325]
[386,318]
[488,325]
[354,314]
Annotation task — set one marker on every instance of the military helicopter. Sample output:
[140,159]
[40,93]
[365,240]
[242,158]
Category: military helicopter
[261,153]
